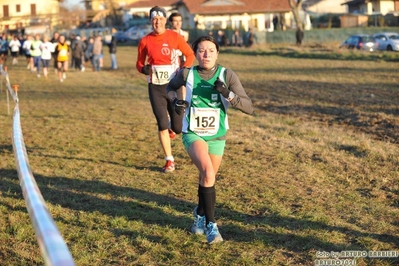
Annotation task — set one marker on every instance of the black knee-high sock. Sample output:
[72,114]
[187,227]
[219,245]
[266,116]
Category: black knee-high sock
[200,209]
[207,197]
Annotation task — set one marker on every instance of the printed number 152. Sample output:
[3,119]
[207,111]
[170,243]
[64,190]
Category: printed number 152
[205,121]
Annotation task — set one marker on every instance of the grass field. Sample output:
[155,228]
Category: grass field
[314,169]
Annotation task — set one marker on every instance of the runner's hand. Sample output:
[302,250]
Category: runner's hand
[146,69]
[179,106]
[221,88]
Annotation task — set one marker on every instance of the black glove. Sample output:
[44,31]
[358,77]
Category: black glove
[146,69]
[221,88]
[179,106]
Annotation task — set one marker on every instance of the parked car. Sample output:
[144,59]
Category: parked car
[135,33]
[387,41]
[121,36]
[361,42]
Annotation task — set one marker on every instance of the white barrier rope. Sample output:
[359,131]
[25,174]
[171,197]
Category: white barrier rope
[53,248]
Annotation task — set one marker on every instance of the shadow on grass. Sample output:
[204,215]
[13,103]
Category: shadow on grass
[324,72]
[309,54]
[7,148]
[379,128]
[80,195]
[154,167]
[363,107]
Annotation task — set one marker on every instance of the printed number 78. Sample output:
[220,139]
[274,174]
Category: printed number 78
[163,74]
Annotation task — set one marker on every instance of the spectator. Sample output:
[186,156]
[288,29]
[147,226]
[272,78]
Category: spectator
[71,45]
[237,39]
[250,37]
[275,23]
[89,52]
[97,52]
[222,39]
[84,41]
[112,50]
[299,37]
[78,53]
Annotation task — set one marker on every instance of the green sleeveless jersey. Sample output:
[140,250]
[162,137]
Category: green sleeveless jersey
[207,112]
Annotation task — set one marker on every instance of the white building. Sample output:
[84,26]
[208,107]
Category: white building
[221,14]
[22,13]
[370,7]
[325,6]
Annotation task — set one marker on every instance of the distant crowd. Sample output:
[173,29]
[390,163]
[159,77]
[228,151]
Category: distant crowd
[40,52]
[236,39]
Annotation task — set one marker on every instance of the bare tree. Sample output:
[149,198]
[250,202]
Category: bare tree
[296,6]
[115,12]
[112,16]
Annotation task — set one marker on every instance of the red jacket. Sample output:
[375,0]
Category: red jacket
[163,50]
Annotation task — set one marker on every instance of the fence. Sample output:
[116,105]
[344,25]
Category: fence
[324,35]
[53,248]
[311,36]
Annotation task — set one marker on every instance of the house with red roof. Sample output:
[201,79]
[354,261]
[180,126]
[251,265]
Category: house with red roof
[221,14]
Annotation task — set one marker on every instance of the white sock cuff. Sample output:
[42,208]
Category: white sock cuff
[169,158]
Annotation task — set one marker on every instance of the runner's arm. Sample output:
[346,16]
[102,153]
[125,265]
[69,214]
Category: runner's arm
[176,82]
[240,100]
[187,51]
[141,56]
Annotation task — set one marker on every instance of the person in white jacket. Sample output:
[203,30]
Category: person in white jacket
[14,45]
[47,48]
